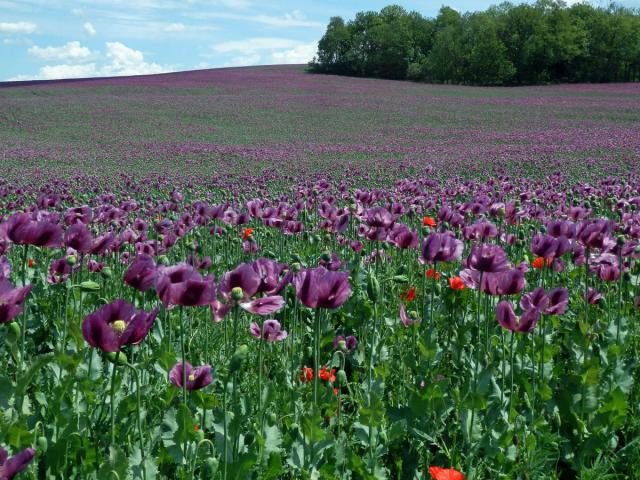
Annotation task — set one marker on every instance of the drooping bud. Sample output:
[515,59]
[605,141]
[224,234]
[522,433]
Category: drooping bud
[341,378]
[373,287]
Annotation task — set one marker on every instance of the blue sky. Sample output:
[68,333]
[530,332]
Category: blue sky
[46,39]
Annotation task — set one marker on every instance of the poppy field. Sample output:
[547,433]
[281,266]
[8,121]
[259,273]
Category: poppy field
[264,273]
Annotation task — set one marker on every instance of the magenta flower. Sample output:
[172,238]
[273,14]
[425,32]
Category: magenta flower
[350,343]
[183,285]
[117,324]
[507,318]
[196,378]
[271,331]
[11,300]
[320,288]
[142,273]
[11,466]
[441,247]
[264,305]
[20,228]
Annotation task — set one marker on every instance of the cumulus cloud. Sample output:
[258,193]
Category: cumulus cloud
[252,45]
[302,53]
[17,28]
[70,51]
[293,19]
[119,60]
[89,29]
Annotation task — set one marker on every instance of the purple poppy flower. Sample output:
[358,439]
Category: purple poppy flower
[508,282]
[82,214]
[536,299]
[11,466]
[116,324]
[197,378]
[142,273]
[5,267]
[320,288]
[350,342]
[406,319]
[219,310]
[507,318]
[102,243]
[59,270]
[549,247]
[19,228]
[271,331]
[245,277]
[183,285]
[379,217]
[402,237]
[441,247]
[561,228]
[558,301]
[11,299]
[594,233]
[78,237]
[487,258]
[593,297]
[264,305]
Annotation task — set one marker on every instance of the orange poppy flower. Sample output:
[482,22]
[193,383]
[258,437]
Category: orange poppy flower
[324,375]
[439,473]
[428,222]
[538,263]
[30,262]
[409,296]
[306,375]
[456,283]
[247,233]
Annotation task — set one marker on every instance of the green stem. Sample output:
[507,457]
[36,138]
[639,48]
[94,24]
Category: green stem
[113,409]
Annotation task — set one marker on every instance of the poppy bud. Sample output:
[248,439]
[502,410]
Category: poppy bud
[106,272]
[296,267]
[117,358]
[72,260]
[373,288]
[14,333]
[295,428]
[426,230]
[309,352]
[163,260]
[620,240]
[342,345]
[200,435]
[238,358]
[237,294]
[42,444]
[325,257]
[211,465]
[273,418]
[341,378]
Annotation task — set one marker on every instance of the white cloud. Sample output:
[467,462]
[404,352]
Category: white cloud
[127,61]
[70,51]
[244,60]
[121,60]
[252,45]
[293,19]
[17,28]
[89,29]
[174,27]
[302,53]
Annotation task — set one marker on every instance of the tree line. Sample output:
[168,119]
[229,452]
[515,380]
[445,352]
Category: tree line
[506,44]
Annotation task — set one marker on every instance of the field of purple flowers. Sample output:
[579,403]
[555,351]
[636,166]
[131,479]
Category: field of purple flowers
[263,273]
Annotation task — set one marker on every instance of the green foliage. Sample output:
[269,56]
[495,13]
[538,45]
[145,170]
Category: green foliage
[507,44]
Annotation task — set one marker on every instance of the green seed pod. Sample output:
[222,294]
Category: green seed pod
[89,286]
[620,240]
[325,256]
[238,358]
[237,294]
[42,444]
[296,267]
[373,288]
[211,465]
[341,378]
[426,230]
[117,358]
[72,260]
[295,428]
[106,272]
[163,260]
[273,418]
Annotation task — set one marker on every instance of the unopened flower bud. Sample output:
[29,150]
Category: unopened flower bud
[72,260]
[106,272]
[341,378]
[325,257]
[117,358]
[296,267]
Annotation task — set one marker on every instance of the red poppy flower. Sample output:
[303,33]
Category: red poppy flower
[431,273]
[306,374]
[538,263]
[428,222]
[409,296]
[439,473]
[324,375]
[197,427]
[30,262]
[456,283]
[247,233]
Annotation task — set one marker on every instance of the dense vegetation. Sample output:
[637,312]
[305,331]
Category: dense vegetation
[504,45]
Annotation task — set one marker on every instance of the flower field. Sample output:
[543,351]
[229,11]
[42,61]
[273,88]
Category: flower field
[263,273]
